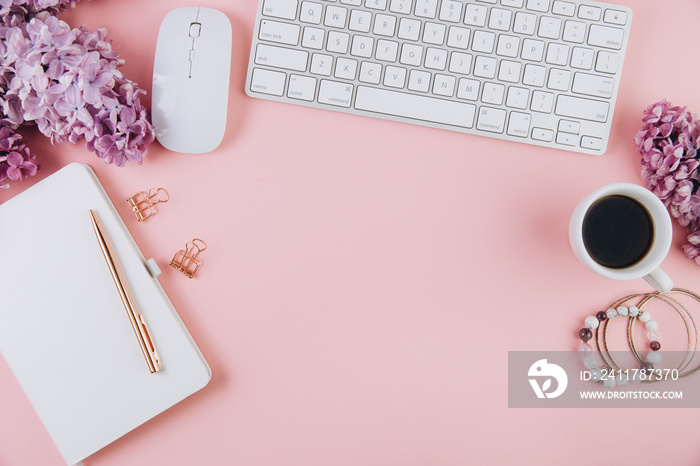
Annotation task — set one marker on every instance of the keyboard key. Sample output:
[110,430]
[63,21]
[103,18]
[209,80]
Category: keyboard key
[460,63]
[604,36]
[559,79]
[542,134]
[533,50]
[563,8]
[444,85]
[302,87]
[468,89]
[589,12]
[493,93]
[409,29]
[538,5]
[419,81]
[451,11]
[400,6]
[568,126]
[509,71]
[321,64]
[586,109]
[557,54]
[606,62]
[335,16]
[615,17]
[370,73]
[582,58]
[311,12]
[525,23]
[590,142]
[360,21]
[500,19]
[519,124]
[491,119]
[282,33]
[534,75]
[567,139]
[411,54]
[542,102]
[345,68]
[593,85]
[384,25]
[485,67]
[434,33]
[483,41]
[475,15]
[387,50]
[508,46]
[268,82]
[436,59]
[549,27]
[517,97]
[426,8]
[395,77]
[415,106]
[335,93]
[376,4]
[574,31]
[362,46]
[285,9]
[278,57]
[458,37]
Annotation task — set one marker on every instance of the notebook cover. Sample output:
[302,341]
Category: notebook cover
[63,329]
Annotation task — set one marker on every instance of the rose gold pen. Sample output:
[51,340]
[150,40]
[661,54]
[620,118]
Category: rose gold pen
[137,322]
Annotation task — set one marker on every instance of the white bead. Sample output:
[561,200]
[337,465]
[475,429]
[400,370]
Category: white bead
[611,313]
[623,311]
[634,311]
[644,317]
[654,357]
[592,322]
[590,362]
[596,374]
[652,325]
[609,383]
[653,336]
[621,379]
[584,348]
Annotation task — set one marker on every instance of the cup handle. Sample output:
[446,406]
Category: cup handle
[659,280]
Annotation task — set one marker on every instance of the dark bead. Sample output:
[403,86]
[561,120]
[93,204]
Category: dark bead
[655,345]
[585,334]
[647,367]
[601,316]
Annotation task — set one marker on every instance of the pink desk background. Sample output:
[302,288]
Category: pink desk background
[361,292]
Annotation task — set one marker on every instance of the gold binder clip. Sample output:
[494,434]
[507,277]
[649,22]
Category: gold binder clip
[186,260]
[144,203]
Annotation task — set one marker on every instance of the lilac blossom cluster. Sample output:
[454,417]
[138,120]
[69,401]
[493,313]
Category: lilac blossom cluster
[66,82]
[669,141]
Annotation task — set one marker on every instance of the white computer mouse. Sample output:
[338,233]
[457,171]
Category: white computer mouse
[191,79]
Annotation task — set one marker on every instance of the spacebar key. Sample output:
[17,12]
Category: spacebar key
[415,106]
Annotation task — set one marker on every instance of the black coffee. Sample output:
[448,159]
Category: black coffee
[617,231]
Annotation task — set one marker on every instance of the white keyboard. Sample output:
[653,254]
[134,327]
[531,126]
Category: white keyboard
[544,72]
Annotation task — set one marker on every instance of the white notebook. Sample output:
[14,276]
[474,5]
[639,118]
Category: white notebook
[63,329]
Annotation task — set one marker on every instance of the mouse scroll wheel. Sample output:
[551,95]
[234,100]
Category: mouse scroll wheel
[195,29]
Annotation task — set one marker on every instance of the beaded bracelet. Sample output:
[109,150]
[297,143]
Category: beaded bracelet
[621,307]
[676,305]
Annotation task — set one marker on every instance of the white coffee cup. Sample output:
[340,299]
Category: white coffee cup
[648,266]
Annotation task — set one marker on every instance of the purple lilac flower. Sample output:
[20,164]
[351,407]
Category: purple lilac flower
[16,161]
[668,142]
[66,81]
